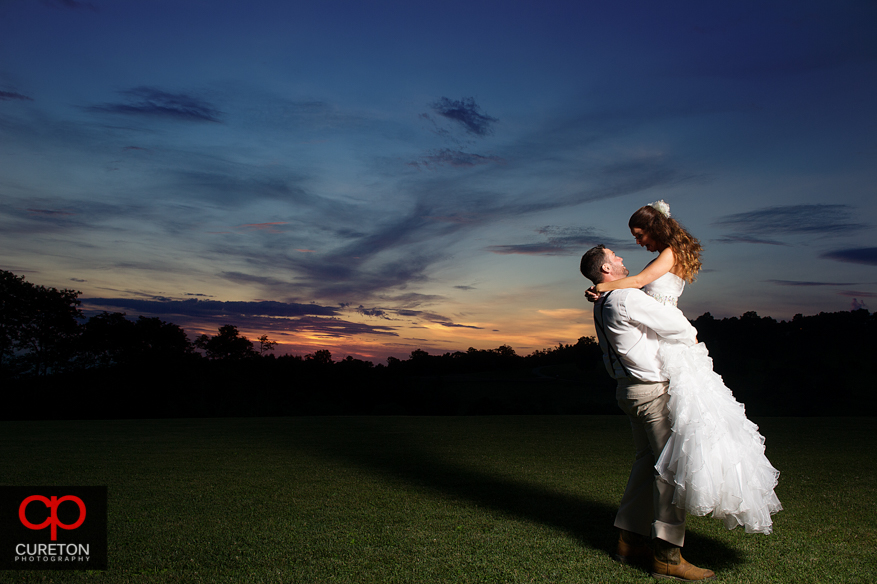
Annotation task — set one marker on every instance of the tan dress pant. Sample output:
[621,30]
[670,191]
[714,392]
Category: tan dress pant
[647,505]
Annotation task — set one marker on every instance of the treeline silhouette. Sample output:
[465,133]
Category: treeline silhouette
[54,364]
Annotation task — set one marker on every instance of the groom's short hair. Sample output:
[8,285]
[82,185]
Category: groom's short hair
[592,263]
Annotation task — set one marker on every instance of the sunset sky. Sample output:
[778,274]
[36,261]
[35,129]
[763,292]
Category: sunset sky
[376,177]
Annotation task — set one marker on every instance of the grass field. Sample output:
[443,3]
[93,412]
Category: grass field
[407,499]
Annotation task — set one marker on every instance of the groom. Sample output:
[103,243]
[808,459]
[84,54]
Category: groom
[629,326]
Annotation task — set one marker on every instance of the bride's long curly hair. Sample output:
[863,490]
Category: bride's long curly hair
[666,231]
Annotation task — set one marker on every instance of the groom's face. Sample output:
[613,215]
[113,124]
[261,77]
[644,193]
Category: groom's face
[615,263]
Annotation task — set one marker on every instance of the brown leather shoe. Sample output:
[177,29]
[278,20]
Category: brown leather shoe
[633,549]
[670,564]
[681,571]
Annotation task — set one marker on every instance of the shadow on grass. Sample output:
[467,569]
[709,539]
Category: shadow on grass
[406,458]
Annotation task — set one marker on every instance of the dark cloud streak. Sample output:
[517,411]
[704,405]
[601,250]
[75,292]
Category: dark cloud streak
[372,312]
[455,158]
[793,219]
[562,241]
[469,326]
[149,101]
[434,318]
[862,255]
[7,95]
[741,238]
[210,308]
[857,294]
[466,113]
[266,281]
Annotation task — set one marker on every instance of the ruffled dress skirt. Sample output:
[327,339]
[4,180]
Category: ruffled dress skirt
[715,455]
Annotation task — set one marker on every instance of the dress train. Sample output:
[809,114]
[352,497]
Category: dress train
[715,455]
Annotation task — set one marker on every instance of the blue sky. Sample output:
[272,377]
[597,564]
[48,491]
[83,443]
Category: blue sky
[375,177]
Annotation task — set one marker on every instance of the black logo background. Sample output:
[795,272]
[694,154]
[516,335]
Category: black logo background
[92,532]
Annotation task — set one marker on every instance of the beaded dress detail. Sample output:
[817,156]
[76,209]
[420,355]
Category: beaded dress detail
[715,455]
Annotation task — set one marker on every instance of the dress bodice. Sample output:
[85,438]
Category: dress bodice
[667,289]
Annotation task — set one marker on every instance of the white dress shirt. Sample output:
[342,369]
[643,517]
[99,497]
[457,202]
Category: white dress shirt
[635,324]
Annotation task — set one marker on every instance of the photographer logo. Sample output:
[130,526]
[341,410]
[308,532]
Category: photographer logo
[53,518]
[53,528]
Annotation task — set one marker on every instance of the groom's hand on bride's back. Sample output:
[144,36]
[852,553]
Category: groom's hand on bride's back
[591,294]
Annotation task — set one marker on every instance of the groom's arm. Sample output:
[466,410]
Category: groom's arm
[667,322]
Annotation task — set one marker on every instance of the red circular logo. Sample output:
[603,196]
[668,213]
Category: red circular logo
[52,506]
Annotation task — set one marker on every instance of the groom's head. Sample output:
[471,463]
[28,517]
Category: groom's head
[600,264]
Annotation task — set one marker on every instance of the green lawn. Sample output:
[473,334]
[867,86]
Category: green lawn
[432,499]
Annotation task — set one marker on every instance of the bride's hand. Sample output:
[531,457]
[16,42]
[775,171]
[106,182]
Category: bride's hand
[591,294]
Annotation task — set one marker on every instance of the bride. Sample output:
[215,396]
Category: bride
[715,455]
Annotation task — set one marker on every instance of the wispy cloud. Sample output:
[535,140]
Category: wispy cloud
[209,308]
[458,158]
[857,294]
[790,219]
[372,312]
[861,255]
[410,300]
[49,213]
[805,283]
[240,186]
[431,317]
[306,328]
[739,238]
[465,112]
[419,316]
[562,241]
[310,320]
[55,215]
[333,327]
[455,325]
[266,227]
[7,95]
[264,281]
[304,321]
[149,101]
[528,249]
[268,113]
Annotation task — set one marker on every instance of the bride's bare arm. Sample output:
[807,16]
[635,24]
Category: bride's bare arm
[662,264]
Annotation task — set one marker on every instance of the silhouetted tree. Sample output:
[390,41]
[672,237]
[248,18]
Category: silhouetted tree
[157,339]
[228,345]
[418,355]
[107,338]
[351,364]
[38,325]
[321,357]
[112,339]
[505,351]
[13,290]
[265,344]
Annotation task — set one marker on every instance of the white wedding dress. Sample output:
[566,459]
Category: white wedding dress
[715,455]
